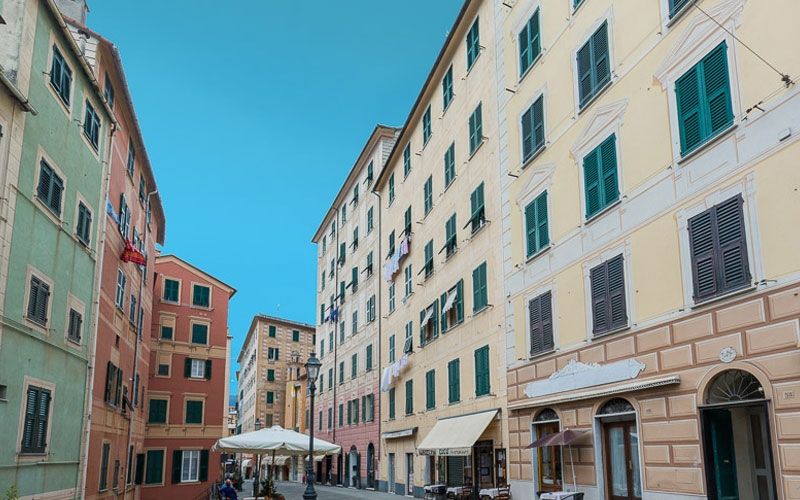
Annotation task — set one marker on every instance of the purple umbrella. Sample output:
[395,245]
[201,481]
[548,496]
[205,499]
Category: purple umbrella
[565,437]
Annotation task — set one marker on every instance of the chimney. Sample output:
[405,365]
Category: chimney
[74,9]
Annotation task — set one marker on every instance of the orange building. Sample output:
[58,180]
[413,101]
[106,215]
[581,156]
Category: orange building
[187,393]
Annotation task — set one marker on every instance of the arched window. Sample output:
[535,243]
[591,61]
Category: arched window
[733,385]
[548,458]
[546,415]
[616,405]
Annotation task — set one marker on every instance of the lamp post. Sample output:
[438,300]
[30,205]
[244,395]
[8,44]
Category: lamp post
[257,475]
[312,370]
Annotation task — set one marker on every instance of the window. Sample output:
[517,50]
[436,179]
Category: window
[341,372]
[426,125]
[703,97]
[38,300]
[454,381]
[718,250]
[108,91]
[428,267]
[355,195]
[341,414]
[158,411]
[482,371]
[427,195]
[391,403]
[91,125]
[201,296]
[75,326]
[50,190]
[408,343]
[199,333]
[600,177]
[131,164]
[608,296]
[676,6]
[163,370]
[530,45]
[480,294]
[84,226]
[270,375]
[450,239]
[391,348]
[391,188]
[428,324]
[391,244]
[273,331]
[342,253]
[447,88]
[37,415]
[533,129]
[295,336]
[344,214]
[113,388]
[370,220]
[341,332]
[540,320]
[142,189]
[473,44]
[171,290]
[407,277]
[407,222]
[594,68]
[167,332]
[330,379]
[453,306]
[475,129]
[270,397]
[391,297]
[368,361]
[154,470]
[450,164]
[576,4]
[409,397]
[536,229]
[61,76]
[197,368]
[354,365]
[104,466]
[430,390]
[190,465]
[124,217]
[370,169]
[132,309]
[478,211]
[371,309]
[330,418]
[273,354]
[407,158]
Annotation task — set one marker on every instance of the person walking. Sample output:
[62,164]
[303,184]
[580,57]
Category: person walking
[228,491]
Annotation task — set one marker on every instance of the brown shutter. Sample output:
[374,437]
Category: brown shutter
[547,321]
[616,292]
[703,253]
[733,266]
[599,292]
[535,320]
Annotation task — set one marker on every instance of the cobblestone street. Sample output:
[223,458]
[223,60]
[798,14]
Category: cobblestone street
[294,491]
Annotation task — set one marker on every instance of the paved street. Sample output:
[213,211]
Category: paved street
[294,491]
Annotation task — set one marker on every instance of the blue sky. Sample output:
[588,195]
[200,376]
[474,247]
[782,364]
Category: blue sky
[253,112]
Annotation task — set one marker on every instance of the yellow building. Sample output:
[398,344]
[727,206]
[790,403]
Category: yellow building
[442,356]
[649,188]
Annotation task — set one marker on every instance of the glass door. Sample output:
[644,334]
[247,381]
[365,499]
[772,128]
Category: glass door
[390,474]
[409,474]
[622,460]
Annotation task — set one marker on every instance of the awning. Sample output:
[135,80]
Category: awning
[451,299]
[455,436]
[399,434]
[426,318]
[601,391]
[245,463]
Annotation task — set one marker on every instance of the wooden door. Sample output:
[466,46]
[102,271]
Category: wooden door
[621,440]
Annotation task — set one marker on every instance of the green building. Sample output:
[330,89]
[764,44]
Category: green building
[54,180]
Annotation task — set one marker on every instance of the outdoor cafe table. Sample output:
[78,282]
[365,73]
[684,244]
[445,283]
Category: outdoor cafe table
[556,495]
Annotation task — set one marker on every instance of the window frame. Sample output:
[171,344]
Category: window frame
[55,213]
[540,247]
[536,12]
[164,280]
[210,288]
[41,385]
[624,249]
[43,280]
[473,43]
[66,103]
[606,20]
[475,126]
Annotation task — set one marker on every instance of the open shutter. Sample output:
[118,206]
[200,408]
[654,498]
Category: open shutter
[527,134]
[28,432]
[535,320]
[43,189]
[177,459]
[703,255]
[530,228]
[203,473]
[616,292]
[599,291]
[547,321]
[33,296]
[459,305]
[42,298]
[602,67]
[109,381]
[444,314]
[608,161]
[541,221]
[687,95]
[187,367]
[538,123]
[42,417]
[208,369]
[591,182]
[139,476]
[421,330]
[435,315]
[732,263]
[717,90]
[584,59]
[118,395]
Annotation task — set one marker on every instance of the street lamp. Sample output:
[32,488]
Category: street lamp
[312,370]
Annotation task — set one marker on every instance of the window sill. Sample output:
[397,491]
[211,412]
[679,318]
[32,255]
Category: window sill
[479,229]
[539,355]
[65,106]
[600,91]
[602,212]
[526,162]
[481,310]
[539,252]
[675,17]
[477,148]
[474,61]
[603,335]
[530,68]
[727,295]
[707,144]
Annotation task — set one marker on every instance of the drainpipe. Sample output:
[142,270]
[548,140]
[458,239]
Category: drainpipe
[336,329]
[380,340]
[139,334]
[87,406]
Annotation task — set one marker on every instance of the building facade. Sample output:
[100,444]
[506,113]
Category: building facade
[443,385]
[53,195]
[134,222]
[348,258]
[271,347]
[187,389]
[652,288]
[295,413]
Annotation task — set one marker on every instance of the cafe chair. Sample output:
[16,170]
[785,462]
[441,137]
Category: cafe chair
[466,492]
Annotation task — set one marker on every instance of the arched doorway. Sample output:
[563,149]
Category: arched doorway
[339,469]
[353,470]
[370,466]
[620,450]
[736,438]
[547,462]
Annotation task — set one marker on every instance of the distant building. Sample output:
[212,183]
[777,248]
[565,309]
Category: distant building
[233,420]
[295,414]
[187,392]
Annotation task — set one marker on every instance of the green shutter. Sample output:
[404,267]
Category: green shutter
[608,162]
[591,182]
[536,224]
[443,315]
[453,381]
[430,390]
[479,292]
[459,305]
[391,403]
[154,473]
[690,119]
[177,459]
[482,371]
[409,397]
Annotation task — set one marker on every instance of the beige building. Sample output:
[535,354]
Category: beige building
[272,346]
[441,308]
[348,288]
[649,191]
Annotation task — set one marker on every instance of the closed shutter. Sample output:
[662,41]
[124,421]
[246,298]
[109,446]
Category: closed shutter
[584,59]
[599,292]
[29,430]
[430,389]
[608,162]
[609,309]
[110,368]
[459,305]
[538,235]
[187,367]
[687,96]
[177,459]
[527,134]
[538,123]
[602,68]
[139,476]
[535,321]
[616,292]
[717,90]
[591,182]
[409,397]
[45,175]
[482,371]
[524,49]
[203,473]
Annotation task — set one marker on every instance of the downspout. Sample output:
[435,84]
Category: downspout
[336,328]
[139,333]
[380,317]
[87,407]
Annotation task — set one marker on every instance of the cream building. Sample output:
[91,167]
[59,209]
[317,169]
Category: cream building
[348,265]
[649,197]
[441,308]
